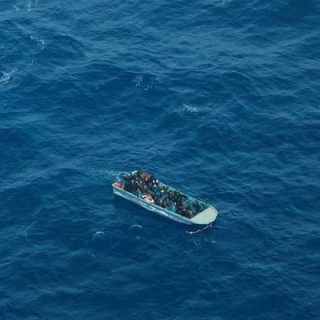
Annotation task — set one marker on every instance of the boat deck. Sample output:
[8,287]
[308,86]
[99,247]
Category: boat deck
[206,214]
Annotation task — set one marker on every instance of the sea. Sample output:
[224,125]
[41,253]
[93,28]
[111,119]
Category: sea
[217,98]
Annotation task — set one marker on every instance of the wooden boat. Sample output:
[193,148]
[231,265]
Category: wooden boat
[204,217]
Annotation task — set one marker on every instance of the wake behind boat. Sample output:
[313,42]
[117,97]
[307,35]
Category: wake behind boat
[145,190]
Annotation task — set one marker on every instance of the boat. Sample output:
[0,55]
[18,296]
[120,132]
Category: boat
[205,215]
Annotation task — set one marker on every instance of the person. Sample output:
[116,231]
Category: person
[127,184]
[173,207]
[190,214]
[172,196]
[157,201]
[144,187]
[157,191]
[145,176]
[148,198]
[150,185]
[198,207]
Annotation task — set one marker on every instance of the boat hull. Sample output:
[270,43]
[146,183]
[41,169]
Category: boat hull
[203,218]
[151,207]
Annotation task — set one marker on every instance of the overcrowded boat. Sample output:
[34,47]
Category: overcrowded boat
[145,190]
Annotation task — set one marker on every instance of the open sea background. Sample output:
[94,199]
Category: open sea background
[219,98]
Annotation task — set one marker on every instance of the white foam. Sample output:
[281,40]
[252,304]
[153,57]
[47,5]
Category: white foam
[145,83]
[98,235]
[190,109]
[135,226]
[7,76]
[39,41]
[138,81]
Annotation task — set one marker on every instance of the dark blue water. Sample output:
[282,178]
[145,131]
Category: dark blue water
[217,98]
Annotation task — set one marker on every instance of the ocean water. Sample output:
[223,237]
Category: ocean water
[219,98]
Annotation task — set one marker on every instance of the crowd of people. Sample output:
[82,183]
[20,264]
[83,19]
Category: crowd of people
[144,185]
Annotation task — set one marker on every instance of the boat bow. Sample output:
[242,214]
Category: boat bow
[206,216]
